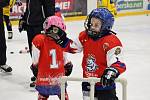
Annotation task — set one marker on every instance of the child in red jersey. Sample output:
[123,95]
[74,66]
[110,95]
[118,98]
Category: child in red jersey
[102,54]
[49,56]
[58,12]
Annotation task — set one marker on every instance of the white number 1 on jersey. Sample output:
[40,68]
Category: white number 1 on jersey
[53,54]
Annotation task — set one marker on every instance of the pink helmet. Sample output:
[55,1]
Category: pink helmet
[54,20]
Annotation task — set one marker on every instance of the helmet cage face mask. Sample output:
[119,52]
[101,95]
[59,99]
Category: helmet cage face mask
[54,27]
[106,18]
[93,34]
[55,32]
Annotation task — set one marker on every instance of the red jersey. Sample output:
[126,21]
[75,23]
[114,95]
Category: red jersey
[99,54]
[59,14]
[49,57]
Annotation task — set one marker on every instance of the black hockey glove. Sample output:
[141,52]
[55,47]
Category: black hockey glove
[34,70]
[68,68]
[60,36]
[22,24]
[109,76]
[63,42]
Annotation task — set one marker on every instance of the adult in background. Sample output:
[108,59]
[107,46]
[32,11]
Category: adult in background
[3,59]
[36,13]
[6,14]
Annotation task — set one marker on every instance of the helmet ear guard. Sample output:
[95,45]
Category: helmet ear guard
[87,23]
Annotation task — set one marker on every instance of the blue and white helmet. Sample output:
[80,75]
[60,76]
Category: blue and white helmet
[57,8]
[104,15]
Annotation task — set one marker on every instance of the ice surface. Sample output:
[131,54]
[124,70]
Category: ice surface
[133,31]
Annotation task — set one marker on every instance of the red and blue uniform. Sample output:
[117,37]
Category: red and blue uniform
[50,59]
[99,54]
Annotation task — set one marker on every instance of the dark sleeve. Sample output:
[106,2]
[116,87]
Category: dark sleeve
[24,15]
[4,3]
[49,7]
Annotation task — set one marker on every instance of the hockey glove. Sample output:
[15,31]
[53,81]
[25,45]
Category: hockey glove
[109,76]
[34,70]
[63,42]
[22,24]
[68,68]
[59,36]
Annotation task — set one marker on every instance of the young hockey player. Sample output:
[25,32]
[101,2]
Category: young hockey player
[102,54]
[48,55]
[6,13]
[58,12]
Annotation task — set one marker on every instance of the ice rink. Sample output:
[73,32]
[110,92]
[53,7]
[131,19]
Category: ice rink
[133,31]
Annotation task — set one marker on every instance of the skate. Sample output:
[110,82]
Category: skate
[10,35]
[5,68]
[33,79]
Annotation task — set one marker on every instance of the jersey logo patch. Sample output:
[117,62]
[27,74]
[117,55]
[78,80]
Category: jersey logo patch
[105,46]
[117,51]
[91,65]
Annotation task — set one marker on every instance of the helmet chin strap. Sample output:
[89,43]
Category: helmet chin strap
[92,34]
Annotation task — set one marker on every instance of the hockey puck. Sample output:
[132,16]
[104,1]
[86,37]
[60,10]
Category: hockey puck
[24,51]
[26,48]
[32,84]
[20,51]
[11,52]
[33,78]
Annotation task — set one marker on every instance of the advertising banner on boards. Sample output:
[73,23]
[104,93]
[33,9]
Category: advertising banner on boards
[69,8]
